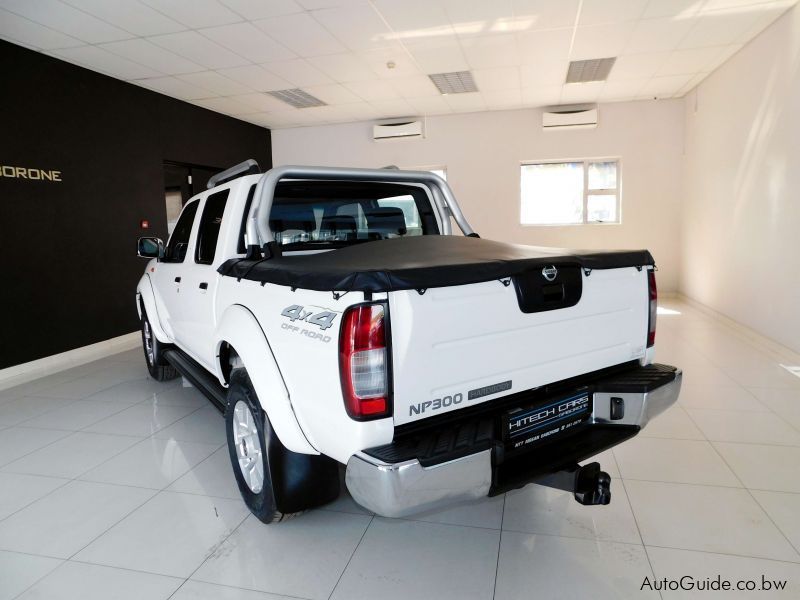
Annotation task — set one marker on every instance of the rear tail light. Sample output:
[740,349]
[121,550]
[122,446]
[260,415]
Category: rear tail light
[653,293]
[363,362]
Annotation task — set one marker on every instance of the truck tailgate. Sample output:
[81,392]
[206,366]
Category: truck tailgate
[454,347]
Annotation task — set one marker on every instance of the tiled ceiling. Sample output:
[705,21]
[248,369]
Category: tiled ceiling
[369,59]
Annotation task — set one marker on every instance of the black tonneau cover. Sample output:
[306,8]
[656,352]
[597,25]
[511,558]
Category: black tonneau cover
[419,262]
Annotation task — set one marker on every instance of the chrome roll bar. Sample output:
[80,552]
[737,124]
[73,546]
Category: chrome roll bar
[259,233]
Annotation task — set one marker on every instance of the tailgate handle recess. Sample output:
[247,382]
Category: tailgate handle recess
[549,288]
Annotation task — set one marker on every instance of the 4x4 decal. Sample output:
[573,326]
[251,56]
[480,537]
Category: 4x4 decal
[323,320]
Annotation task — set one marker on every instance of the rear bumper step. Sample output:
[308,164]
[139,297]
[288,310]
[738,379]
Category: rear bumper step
[453,462]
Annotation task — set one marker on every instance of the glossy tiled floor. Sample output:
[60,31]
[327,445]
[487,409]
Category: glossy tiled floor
[113,485]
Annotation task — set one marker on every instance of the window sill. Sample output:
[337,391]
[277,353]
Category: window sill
[591,224]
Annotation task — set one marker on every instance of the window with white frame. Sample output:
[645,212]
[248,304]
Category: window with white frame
[570,192]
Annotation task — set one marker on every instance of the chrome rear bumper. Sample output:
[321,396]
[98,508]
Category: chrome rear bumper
[640,408]
[404,488]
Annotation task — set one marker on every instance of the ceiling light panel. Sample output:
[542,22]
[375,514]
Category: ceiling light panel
[456,82]
[297,98]
[594,69]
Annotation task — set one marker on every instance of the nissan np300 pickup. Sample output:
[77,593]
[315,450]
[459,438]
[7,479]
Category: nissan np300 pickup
[335,318]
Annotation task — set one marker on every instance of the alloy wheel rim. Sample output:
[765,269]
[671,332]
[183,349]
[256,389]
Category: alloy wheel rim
[148,344]
[248,447]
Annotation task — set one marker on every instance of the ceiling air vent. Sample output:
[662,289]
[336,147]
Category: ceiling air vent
[457,82]
[595,69]
[297,98]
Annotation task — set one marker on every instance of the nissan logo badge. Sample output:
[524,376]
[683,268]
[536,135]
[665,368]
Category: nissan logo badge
[550,273]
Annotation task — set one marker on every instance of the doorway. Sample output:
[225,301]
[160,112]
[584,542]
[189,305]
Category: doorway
[181,182]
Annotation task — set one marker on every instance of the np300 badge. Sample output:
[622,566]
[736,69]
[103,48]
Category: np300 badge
[454,399]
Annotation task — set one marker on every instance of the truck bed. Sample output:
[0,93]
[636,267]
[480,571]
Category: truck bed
[422,262]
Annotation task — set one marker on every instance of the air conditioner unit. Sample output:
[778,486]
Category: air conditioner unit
[398,129]
[573,116]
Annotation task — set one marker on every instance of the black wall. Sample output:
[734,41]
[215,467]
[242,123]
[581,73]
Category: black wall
[68,265]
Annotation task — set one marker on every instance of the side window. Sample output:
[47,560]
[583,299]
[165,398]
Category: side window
[179,240]
[210,223]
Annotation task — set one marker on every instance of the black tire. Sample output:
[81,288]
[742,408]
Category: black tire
[292,482]
[157,366]
[262,501]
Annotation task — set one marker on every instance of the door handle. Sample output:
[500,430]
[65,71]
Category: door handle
[177,280]
[203,286]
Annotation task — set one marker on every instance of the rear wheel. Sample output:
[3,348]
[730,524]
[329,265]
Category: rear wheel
[248,431]
[276,483]
[157,366]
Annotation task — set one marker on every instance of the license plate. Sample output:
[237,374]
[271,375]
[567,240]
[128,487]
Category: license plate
[525,427]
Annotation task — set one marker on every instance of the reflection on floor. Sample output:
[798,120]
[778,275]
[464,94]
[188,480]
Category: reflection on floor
[111,481]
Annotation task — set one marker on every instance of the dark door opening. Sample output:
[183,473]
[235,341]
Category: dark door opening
[181,182]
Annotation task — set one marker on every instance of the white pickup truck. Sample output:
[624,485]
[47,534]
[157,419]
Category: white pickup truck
[335,319]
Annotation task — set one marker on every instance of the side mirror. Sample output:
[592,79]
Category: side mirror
[150,247]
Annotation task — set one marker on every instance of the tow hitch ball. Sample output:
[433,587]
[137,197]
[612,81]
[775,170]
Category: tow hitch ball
[588,483]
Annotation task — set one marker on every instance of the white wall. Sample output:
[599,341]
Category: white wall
[483,151]
[741,229]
